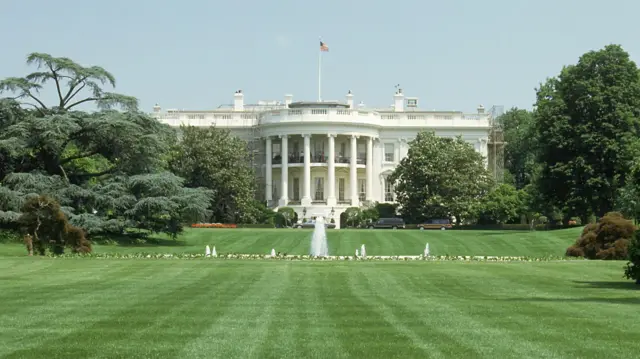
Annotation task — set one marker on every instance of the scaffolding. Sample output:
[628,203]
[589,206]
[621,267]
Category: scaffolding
[496,144]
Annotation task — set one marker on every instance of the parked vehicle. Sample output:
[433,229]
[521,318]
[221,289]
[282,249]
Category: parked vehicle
[438,223]
[312,224]
[392,223]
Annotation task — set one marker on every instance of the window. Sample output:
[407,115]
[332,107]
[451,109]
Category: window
[296,189]
[340,189]
[274,192]
[319,195]
[389,152]
[362,186]
[343,149]
[362,153]
[388,190]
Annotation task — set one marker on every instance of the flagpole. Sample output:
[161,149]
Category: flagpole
[320,73]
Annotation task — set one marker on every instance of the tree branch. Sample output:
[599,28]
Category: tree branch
[37,100]
[71,158]
[55,78]
[72,87]
[82,101]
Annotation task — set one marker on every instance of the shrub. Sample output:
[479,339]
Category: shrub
[10,236]
[47,228]
[213,225]
[609,239]
[633,267]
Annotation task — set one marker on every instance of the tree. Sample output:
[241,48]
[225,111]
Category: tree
[589,119]
[633,267]
[63,72]
[79,146]
[286,216]
[47,228]
[503,204]
[440,177]
[213,158]
[517,125]
[608,239]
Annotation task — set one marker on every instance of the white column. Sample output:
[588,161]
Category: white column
[369,169]
[331,176]
[306,196]
[268,173]
[353,178]
[284,185]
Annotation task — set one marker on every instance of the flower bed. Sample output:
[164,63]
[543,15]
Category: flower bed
[213,225]
[313,258]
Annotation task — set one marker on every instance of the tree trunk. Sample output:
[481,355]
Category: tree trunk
[28,241]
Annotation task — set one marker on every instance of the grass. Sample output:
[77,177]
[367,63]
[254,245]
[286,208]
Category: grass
[345,242]
[109,308]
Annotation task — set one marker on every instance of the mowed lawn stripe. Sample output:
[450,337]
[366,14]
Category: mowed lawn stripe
[346,241]
[145,315]
[241,330]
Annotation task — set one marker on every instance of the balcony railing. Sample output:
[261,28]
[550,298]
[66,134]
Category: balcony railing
[366,117]
[317,158]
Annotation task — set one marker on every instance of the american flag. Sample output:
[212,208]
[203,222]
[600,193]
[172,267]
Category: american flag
[324,47]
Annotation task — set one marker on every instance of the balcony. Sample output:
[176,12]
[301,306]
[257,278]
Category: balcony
[318,158]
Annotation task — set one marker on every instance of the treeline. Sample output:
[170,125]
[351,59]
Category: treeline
[115,171]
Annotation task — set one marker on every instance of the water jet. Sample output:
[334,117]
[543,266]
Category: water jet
[319,247]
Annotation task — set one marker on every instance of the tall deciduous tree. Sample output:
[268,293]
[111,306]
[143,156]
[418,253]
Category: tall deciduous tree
[74,85]
[213,158]
[440,177]
[589,119]
[517,127]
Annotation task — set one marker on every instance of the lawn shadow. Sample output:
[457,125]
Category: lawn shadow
[626,285]
[603,300]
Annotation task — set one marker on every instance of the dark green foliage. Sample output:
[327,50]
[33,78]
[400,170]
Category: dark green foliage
[589,119]
[633,267]
[503,204]
[608,239]
[386,210]
[519,157]
[43,220]
[69,79]
[286,217]
[440,178]
[214,159]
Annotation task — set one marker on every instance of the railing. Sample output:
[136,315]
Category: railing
[315,115]
[316,158]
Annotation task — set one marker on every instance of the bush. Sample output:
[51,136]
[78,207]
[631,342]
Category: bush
[608,239]
[633,267]
[10,236]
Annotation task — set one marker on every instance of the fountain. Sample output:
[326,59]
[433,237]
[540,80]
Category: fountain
[207,251]
[319,246]
[426,250]
[273,252]
[213,252]
[357,253]
[363,252]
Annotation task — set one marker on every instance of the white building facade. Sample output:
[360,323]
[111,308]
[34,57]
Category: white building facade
[322,157]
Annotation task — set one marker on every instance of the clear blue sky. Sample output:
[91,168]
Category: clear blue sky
[194,54]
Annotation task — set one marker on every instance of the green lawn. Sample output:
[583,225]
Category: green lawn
[345,242]
[206,308]
[84,308]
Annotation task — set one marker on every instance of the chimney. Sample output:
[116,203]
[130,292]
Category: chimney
[288,99]
[238,101]
[398,101]
[156,108]
[480,109]
[350,99]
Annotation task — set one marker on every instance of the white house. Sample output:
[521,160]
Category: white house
[322,157]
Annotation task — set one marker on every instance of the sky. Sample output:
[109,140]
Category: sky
[194,54]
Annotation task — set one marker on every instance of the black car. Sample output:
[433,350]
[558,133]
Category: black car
[392,223]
